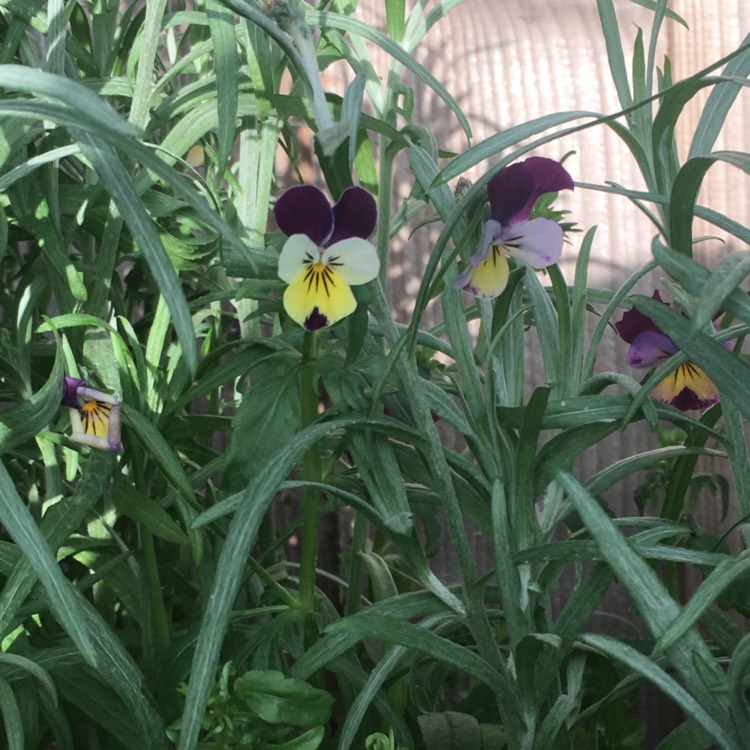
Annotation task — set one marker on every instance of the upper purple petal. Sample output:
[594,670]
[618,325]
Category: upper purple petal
[649,348]
[634,322]
[354,215]
[304,209]
[514,190]
[70,391]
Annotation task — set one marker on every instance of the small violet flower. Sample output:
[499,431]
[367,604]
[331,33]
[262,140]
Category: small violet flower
[513,191]
[687,387]
[94,416]
[326,253]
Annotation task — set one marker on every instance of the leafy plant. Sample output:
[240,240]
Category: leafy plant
[144,151]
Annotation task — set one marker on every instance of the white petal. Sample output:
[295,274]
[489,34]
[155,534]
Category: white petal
[355,259]
[297,249]
[538,242]
[493,231]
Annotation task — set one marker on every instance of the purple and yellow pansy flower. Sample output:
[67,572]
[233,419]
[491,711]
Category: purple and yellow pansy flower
[538,242]
[326,254]
[687,387]
[94,415]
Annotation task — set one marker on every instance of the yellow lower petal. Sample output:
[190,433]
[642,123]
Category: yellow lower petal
[95,417]
[318,297]
[490,277]
[686,376]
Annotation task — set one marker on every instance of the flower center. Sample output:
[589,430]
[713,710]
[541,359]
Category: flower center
[319,274]
[497,249]
[95,417]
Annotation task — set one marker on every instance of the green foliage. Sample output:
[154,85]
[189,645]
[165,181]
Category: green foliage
[142,148]
[264,710]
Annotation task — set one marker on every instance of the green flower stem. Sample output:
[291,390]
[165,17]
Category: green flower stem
[312,470]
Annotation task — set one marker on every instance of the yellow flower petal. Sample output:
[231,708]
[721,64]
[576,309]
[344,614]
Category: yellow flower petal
[318,297]
[490,277]
[686,376]
[95,417]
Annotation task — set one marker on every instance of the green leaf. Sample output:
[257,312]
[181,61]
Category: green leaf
[522,507]
[93,112]
[283,700]
[351,109]
[495,144]
[391,630]
[20,525]
[719,102]
[561,450]
[737,679]
[548,735]
[359,28]
[251,507]
[159,451]
[22,422]
[451,730]
[379,469]
[380,578]
[226,62]
[11,717]
[509,583]
[131,503]
[266,419]
[96,700]
[703,597]
[115,177]
[644,666]
[687,183]
[690,734]
[395,18]
[56,526]
[693,277]
[726,278]
[655,605]
[625,467]
[35,670]
[309,740]
[615,55]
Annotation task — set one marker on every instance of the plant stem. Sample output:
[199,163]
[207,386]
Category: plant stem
[312,472]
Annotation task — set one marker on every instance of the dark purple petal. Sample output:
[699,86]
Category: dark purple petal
[634,322]
[649,348]
[687,400]
[354,215]
[70,391]
[315,320]
[514,190]
[304,209]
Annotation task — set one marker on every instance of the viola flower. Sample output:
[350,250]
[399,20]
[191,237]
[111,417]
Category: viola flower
[688,387]
[326,254]
[513,191]
[94,416]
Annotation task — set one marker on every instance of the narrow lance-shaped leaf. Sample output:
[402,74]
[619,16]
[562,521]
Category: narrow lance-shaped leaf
[20,525]
[115,177]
